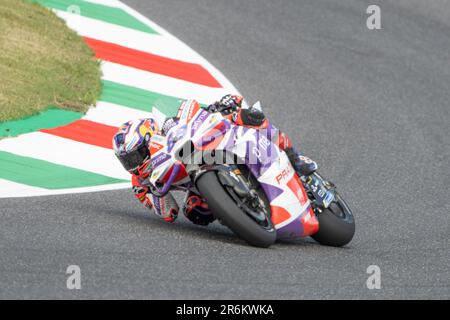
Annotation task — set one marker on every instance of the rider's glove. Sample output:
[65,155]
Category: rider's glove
[227,104]
[251,117]
[231,101]
[141,193]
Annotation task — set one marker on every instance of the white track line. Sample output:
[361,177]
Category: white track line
[12,189]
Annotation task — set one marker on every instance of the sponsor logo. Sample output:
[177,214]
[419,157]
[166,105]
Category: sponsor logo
[185,112]
[199,121]
[158,160]
[283,175]
[155,147]
[329,197]
[191,110]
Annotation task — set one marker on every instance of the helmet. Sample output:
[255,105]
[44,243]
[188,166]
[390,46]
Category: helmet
[131,145]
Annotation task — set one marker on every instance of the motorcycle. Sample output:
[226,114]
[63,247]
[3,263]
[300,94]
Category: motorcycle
[247,181]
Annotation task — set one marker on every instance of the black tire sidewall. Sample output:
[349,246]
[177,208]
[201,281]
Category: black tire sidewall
[224,208]
[334,231]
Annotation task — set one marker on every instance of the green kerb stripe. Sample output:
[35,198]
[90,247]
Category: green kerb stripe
[99,12]
[140,99]
[43,174]
[51,118]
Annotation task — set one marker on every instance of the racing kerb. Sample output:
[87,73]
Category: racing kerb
[145,70]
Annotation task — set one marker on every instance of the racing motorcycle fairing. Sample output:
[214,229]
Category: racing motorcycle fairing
[291,210]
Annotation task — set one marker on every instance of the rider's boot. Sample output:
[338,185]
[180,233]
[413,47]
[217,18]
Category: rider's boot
[197,210]
[303,165]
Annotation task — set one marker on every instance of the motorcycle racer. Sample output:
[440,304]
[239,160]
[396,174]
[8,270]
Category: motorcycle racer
[132,144]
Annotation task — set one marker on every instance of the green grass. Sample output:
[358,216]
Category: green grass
[42,63]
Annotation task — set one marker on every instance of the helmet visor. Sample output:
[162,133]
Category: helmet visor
[134,159]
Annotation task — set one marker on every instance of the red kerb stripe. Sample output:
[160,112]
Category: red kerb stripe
[150,62]
[87,132]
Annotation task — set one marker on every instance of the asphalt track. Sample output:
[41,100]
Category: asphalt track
[372,107]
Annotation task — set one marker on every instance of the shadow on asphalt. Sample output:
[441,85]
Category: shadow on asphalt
[213,232]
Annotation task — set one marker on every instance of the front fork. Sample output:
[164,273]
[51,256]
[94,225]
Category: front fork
[322,192]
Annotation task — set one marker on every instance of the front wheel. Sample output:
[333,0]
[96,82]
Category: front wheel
[336,224]
[224,207]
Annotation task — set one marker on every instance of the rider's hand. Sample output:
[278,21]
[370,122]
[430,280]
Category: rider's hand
[227,104]
[231,102]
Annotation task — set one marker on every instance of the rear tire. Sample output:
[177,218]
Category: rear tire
[224,208]
[336,224]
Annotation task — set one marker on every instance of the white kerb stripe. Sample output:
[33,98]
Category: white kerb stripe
[108,3]
[11,189]
[66,152]
[205,63]
[161,84]
[130,38]
[113,114]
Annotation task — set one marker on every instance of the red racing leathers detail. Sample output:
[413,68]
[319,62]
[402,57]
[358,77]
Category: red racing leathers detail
[141,192]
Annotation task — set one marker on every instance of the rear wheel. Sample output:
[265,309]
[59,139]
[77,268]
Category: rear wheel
[254,227]
[336,224]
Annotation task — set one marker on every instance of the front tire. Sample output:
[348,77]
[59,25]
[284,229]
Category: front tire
[224,208]
[336,224]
